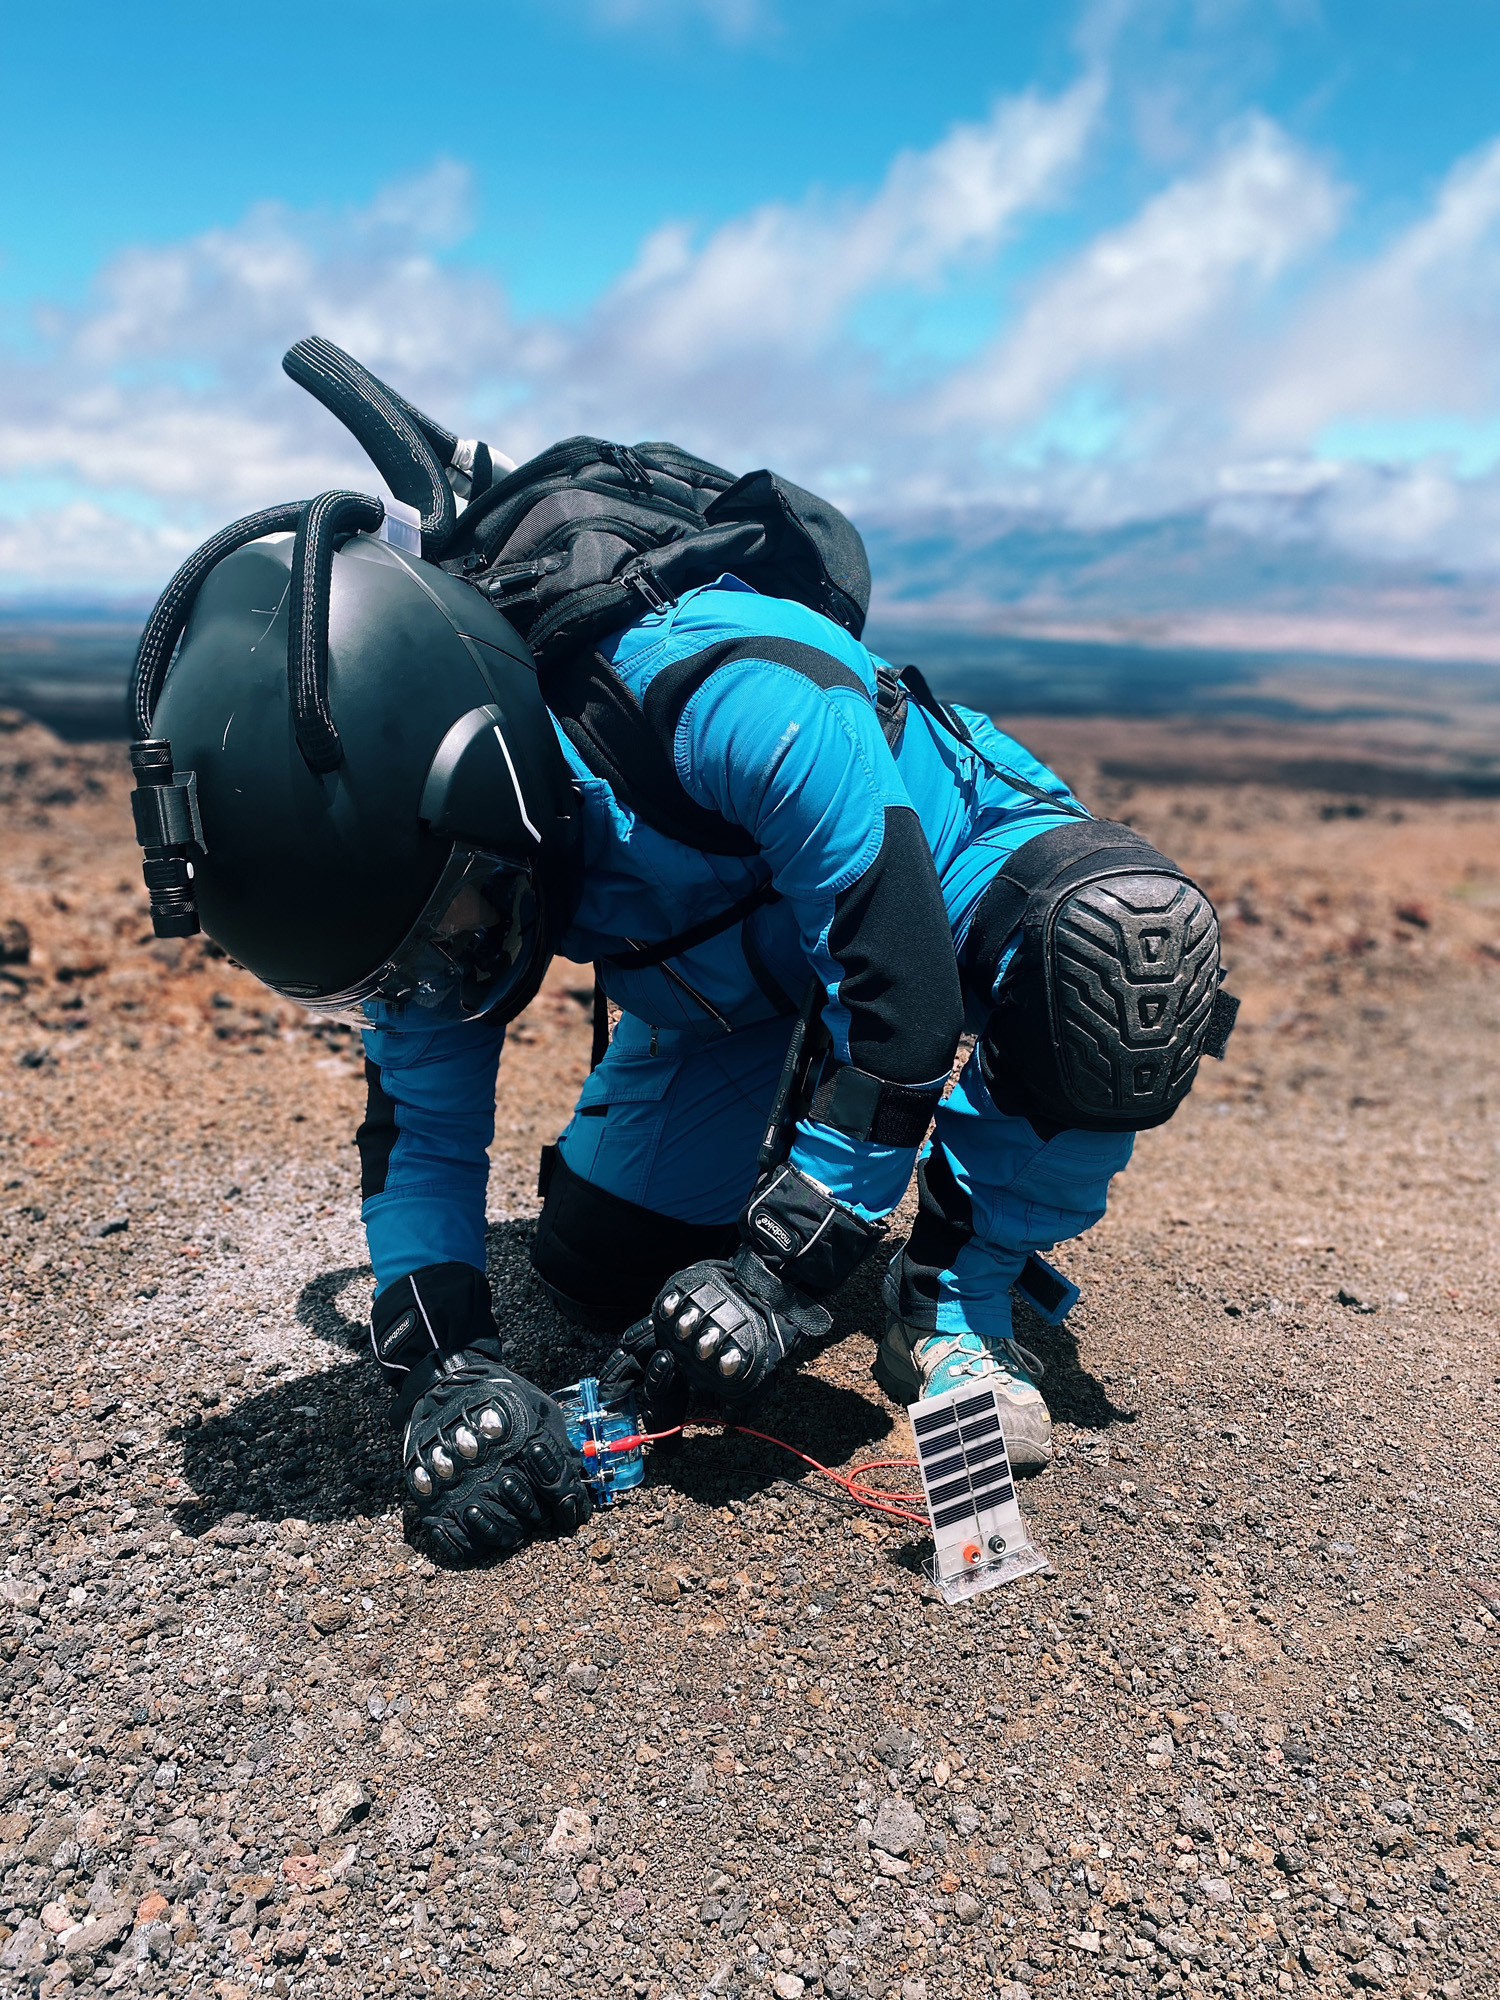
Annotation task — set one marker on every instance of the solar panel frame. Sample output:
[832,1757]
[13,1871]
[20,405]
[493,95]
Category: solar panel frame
[979,1534]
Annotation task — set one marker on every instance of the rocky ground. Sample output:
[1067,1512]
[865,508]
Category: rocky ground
[1241,1739]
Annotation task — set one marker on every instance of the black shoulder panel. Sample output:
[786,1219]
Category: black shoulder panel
[625,746]
[890,935]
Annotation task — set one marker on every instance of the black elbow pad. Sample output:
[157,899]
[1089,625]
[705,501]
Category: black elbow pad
[900,979]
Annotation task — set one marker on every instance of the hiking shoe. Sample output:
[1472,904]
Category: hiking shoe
[913,1364]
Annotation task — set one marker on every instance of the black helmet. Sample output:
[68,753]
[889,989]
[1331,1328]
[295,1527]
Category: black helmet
[347,775]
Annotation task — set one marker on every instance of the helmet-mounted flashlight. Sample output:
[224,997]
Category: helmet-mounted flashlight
[167,825]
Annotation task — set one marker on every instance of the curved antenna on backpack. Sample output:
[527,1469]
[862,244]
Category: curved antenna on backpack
[404,446]
[164,627]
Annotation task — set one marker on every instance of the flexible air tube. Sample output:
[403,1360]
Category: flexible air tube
[164,626]
[322,519]
[444,443]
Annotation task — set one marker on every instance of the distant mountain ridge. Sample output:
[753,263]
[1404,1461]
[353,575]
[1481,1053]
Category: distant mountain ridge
[69,665]
[72,674]
[1198,614]
[1229,577]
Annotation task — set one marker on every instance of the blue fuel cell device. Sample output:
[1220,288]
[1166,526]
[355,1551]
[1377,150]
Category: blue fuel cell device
[602,1426]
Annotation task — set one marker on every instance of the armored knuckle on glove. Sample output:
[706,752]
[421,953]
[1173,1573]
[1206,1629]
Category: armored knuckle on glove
[727,1326]
[485,1454]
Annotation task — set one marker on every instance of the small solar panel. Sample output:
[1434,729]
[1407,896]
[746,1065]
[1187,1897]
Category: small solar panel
[979,1534]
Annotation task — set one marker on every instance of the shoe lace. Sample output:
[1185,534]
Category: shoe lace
[976,1348]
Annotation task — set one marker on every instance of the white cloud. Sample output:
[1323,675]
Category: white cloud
[89,549]
[1140,293]
[1409,332]
[1183,363]
[168,382]
[1414,513]
[782,277]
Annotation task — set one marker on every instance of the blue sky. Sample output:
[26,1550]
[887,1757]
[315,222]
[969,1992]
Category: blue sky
[998,275]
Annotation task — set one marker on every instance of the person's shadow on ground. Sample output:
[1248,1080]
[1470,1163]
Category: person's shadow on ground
[1072,1392]
[320,1447]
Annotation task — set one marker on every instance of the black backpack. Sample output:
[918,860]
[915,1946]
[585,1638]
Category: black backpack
[588,535]
[585,537]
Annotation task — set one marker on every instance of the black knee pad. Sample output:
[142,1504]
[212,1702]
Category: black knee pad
[1112,995]
[604,1259]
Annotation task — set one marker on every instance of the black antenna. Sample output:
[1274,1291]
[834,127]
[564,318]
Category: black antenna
[399,439]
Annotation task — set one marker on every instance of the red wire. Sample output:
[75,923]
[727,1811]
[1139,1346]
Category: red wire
[853,1485]
[853,1482]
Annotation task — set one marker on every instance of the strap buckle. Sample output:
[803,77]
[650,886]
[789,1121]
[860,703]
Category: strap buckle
[640,578]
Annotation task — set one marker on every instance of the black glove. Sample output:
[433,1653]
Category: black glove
[486,1454]
[726,1326]
[639,1368]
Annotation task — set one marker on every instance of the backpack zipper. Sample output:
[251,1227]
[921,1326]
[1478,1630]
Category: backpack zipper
[625,462]
[506,577]
[640,578]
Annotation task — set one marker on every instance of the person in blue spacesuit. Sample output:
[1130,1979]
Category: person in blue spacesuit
[754,829]
[880,857]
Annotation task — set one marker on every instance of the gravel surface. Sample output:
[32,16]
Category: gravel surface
[1242,1739]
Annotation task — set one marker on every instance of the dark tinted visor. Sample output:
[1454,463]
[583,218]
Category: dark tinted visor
[467,954]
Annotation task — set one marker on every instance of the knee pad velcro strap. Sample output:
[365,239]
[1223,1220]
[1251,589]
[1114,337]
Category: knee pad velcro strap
[1109,1000]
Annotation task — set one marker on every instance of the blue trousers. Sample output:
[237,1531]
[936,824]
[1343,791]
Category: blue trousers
[672,1119]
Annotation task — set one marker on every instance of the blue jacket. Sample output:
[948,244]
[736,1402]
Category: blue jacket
[879,859]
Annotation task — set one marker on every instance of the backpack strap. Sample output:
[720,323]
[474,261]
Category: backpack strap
[891,704]
[642,956]
[628,748]
[628,743]
[914,681]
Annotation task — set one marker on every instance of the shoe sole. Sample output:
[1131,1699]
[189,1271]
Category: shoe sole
[1026,1454]
[894,1372]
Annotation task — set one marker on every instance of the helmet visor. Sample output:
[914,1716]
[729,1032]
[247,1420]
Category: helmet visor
[470,951]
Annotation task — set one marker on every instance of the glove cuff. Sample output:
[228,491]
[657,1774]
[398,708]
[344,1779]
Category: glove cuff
[802,1235]
[440,1309]
[769,1289]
